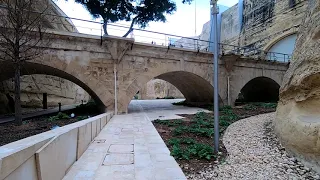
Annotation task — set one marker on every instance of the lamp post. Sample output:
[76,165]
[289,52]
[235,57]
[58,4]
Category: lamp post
[215,12]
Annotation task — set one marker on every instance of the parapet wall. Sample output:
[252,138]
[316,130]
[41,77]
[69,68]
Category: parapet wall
[49,155]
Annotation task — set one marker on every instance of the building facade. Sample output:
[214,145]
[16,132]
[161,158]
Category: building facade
[268,25]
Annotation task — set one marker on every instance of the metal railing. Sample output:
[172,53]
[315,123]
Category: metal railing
[157,38]
[254,53]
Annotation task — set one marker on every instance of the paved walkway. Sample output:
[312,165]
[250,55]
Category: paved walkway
[129,147]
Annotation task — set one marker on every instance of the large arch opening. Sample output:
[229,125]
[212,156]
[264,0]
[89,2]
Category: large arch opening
[282,49]
[196,90]
[29,68]
[260,89]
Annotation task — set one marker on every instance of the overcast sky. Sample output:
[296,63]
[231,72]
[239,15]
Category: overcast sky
[183,22]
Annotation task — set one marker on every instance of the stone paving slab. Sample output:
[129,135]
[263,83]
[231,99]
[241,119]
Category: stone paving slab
[129,147]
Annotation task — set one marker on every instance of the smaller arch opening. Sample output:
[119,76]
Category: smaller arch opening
[177,86]
[260,89]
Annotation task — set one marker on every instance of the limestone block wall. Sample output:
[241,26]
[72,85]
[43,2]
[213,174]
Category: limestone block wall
[297,122]
[49,155]
[265,22]
[33,86]
[230,25]
[158,88]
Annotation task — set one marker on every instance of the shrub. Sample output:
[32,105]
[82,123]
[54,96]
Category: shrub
[169,97]
[79,118]
[181,103]
[194,150]
[250,107]
[59,116]
[269,105]
[225,108]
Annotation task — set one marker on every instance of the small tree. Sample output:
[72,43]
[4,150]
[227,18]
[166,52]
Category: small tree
[139,12]
[20,34]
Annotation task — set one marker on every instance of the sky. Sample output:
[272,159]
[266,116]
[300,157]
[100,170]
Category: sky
[184,22]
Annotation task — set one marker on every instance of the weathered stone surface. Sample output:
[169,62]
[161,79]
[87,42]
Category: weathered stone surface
[298,118]
[58,90]
[265,23]
[157,88]
[83,60]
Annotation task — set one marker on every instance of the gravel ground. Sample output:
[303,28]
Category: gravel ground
[255,153]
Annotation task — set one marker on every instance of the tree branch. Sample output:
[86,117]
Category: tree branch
[131,26]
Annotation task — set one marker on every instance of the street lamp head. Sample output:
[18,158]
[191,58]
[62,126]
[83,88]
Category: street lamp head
[214,7]
[213,2]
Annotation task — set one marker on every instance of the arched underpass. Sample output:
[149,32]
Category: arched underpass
[260,89]
[196,90]
[29,68]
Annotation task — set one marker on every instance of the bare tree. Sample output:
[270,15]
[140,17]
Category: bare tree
[21,32]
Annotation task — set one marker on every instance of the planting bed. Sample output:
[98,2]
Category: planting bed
[10,132]
[190,140]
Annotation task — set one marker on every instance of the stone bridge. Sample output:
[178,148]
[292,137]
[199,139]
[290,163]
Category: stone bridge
[112,68]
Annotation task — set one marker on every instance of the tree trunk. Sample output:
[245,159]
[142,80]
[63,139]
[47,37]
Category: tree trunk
[105,30]
[17,92]
[131,27]
[129,31]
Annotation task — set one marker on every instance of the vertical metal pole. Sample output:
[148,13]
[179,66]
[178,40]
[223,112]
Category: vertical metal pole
[195,24]
[215,12]
[115,89]
[229,98]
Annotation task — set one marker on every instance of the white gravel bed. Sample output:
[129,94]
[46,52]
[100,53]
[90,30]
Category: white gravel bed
[255,153]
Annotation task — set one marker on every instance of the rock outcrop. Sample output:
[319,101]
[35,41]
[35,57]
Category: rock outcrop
[158,88]
[58,90]
[298,116]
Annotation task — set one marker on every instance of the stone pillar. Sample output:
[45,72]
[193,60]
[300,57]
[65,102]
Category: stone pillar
[298,117]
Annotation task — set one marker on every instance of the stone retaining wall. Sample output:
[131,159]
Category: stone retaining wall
[49,155]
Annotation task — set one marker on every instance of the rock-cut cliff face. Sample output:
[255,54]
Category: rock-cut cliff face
[32,88]
[298,113]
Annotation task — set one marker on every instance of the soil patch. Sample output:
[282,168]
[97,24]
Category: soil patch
[10,132]
[191,141]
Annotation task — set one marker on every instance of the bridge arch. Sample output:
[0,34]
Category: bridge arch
[259,89]
[30,68]
[193,85]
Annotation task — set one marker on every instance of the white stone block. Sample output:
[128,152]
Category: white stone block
[57,156]
[121,148]
[84,139]
[26,171]
[94,129]
[12,161]
[118,159]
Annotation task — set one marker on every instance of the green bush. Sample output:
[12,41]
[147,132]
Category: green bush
[250,107]
[181,103]
[169,97]
[176,141]
[59,116]
[193,150]
[80,118]
[269,105]
[223,108]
